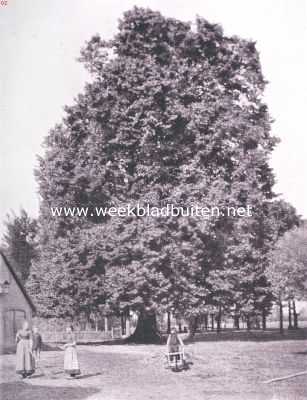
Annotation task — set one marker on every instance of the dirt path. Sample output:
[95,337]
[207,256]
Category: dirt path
[218,371]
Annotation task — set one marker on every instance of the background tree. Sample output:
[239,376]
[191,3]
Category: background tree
[68,280]
[172,115]
[287,270]
[250,254]
[19,242]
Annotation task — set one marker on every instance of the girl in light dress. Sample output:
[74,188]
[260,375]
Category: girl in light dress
[71,363]
[175,345]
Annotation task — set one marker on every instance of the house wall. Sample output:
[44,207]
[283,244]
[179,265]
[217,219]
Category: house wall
[14,308]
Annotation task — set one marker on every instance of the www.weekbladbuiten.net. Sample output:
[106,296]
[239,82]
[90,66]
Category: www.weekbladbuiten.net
[139,210]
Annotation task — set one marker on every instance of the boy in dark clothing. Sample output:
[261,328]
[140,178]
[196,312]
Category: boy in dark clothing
[37,343]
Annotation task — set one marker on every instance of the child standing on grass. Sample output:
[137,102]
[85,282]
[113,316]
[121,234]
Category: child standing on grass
[37,343]
[71,363]
[174,344]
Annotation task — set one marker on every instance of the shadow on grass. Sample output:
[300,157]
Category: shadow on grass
[185,367]
[37,376]
[301,353]
[253,336]
[121,342]
[206,336]
[111,342]
[23,391]
[224,335]
[54,375]
[88,375]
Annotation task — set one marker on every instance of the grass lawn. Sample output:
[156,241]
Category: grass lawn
[218,370]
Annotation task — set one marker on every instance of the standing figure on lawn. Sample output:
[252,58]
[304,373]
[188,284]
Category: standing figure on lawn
[175,350]
[37,343]
[71,363]
[25,363]
[174,342]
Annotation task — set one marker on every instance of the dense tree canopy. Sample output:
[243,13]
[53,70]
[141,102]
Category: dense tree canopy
[172,115]
[19,242]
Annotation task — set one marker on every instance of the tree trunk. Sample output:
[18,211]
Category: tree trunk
[219,320]
[192,327]
[295,315]
[168,322]
[146,330]
[248,323]
[206,321]
[263,320]
[237,322]
[281,319]
[123,324]
[290,326]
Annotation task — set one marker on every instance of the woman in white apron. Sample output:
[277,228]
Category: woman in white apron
[71,363]
[25,365]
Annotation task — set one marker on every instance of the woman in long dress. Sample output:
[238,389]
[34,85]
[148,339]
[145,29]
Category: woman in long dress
[71,363]
[25,363]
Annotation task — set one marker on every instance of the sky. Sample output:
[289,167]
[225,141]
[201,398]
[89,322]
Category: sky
[40,41]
